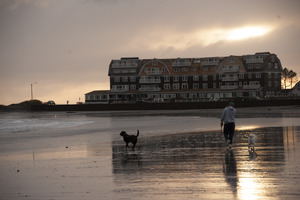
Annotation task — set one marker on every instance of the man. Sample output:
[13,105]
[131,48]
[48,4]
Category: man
[228,119]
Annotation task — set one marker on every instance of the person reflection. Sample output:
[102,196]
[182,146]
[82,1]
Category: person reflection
[230,171]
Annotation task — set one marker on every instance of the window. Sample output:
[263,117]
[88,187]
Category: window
[269,83]
[269,65]
[117,70]
[205,77]
[184,69]
[132,70]
[133,87]
[239,94]
[176,86]
[197,60]
[132,79]
[176,69]
[214,85]
[205,85]
[258,75]
[220,77]
[241,76]
[194,69]
[167,86]
[185,86]
[276,66]
[176,78]
[195,78]
[240,84]
[212,68]
[205,69]
[215,77]
[269,75]
[124,79]
[184,78]
[250,75]
[196,86]
[167,78]
[276,83]
[154,62]
[116,79]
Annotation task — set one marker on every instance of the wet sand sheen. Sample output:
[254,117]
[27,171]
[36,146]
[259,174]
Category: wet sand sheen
[176,166]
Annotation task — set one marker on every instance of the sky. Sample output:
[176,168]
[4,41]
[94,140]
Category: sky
[62,48]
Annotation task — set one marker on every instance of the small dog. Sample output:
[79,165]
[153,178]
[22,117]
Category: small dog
[251,141]
[130,138]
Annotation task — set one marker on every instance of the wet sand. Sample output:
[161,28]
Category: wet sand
[177,166]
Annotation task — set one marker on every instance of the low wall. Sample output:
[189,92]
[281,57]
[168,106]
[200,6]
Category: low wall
[164,106]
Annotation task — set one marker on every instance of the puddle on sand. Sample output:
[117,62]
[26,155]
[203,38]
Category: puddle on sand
[199,165]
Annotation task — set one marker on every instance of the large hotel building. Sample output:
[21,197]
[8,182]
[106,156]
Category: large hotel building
[191,79]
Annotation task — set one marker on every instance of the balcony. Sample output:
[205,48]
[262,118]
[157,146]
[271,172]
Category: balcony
[181,63]
[149,88]
[124,64]
[150,81]
[254,60]
[154,73]
[229,87]
[249,87]
[119,88]
[230,69]
[210,61]
[234,78]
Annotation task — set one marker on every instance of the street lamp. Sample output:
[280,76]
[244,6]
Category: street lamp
[32,90]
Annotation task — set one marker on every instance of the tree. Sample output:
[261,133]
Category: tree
[292,76]
[289,78]
[284,77]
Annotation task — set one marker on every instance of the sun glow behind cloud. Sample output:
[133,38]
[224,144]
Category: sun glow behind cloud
[164,38]
[246,32]
[212,36]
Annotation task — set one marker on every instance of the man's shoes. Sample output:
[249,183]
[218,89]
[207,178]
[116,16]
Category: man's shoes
[228,142]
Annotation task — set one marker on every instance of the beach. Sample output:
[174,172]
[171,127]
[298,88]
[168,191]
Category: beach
[179,155]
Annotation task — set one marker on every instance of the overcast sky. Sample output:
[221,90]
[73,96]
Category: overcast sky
[66,45]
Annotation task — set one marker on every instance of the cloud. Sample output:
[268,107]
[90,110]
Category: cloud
[16,4]
[164,38]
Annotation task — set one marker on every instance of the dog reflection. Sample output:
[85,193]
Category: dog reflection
[252,154]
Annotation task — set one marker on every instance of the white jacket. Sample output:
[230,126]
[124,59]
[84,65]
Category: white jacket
[228,115]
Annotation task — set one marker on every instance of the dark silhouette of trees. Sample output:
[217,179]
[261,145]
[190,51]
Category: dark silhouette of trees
[289,78]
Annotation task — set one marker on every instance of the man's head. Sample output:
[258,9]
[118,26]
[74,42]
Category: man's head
[231,103]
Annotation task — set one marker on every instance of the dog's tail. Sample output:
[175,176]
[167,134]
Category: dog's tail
[138,132]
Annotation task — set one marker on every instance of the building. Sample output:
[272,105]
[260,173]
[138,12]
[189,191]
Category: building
[191,79]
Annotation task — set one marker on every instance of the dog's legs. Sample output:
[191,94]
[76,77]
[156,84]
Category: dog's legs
[133,146]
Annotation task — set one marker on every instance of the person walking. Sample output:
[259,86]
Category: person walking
[228,120]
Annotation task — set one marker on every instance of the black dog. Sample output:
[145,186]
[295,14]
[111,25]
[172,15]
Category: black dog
[130,138]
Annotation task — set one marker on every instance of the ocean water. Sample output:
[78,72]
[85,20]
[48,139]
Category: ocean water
[16,125]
